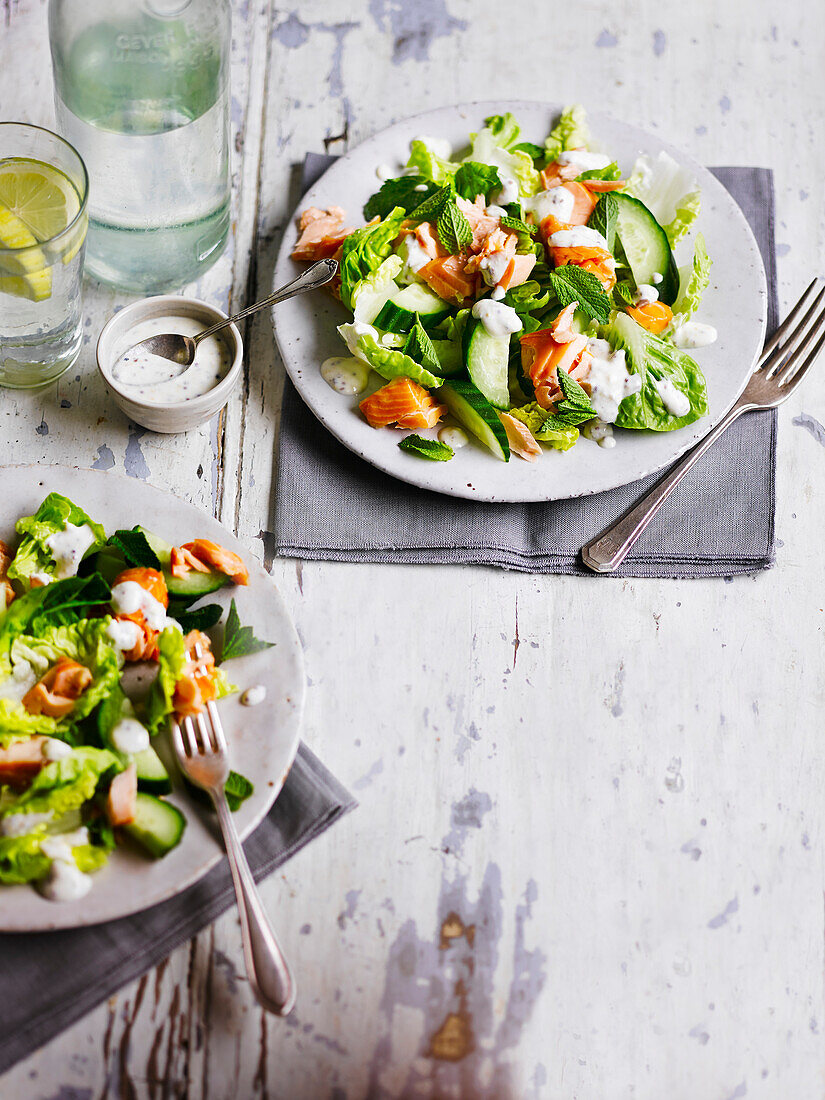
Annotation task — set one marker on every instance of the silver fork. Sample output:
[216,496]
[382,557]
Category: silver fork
[200,746]
[788,355]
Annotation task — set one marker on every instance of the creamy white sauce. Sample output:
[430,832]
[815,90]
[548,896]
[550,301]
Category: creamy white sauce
[21,824]
[253,696]
[22,680]
[498,293]
[350,333]
[656,277]
[610,381]
[498,319]
[645,293]
[493,267]
[414,256]
[68,546]
[155,380]
[384,172]
[493,211]
[345,374]
[575,236]
[600,433]
[440,146]
[583,159]
[676,402]
[693,334]
[453,437]
[65,882]
[508,191]
[130,736]
[42,578]
[124,634]
[129,597]
[55,749]
[420,187]
[557,201]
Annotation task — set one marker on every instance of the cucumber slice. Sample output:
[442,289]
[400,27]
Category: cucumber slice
[449,356]
[108,562]
[487,358]
[152,776]
[646,247]
[472,409]
[398,315]
[194,584]
[158,825]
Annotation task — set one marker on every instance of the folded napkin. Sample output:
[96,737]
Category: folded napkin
[50,979]
[718,522]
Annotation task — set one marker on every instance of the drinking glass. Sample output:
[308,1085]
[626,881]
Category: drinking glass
[43,195]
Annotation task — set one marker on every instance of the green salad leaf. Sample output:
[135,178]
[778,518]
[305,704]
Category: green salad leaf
[570,132]
[669,191]
[536,152]
[472,179]
[693,280]
[390,362]
[655,359]
[431,207]
[429,164]
[427,448]
[171,659]
[364,250]
[495,145]
[540,421]
[238,788]
[420,347]
[64,785]
[604,217]
[16,724]
[33,555]
[405,191]
[574,284]
[238,641]
[453,229]
[201,618]
[609,172]
[21,859]
[135,549]
[370,294]
[519,226]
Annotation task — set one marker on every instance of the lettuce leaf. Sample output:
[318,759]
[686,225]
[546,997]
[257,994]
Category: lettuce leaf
[653,358]
[492,145]
[371,293]
[364,251]
[535,417]
[21,859]
[16,724]
[570,132]
[171,659]
[56,604]
[33,556]
[430,165]
[669,191]
[390,363]
[64,785]
[693,280]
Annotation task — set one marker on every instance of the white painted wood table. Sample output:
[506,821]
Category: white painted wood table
[588,857]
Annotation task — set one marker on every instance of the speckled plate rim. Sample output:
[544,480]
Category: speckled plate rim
[263,740]
[736,303]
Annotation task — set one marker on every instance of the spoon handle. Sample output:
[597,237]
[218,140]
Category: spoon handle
[311,279]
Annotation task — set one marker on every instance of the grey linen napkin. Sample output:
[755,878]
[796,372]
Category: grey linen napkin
[718,522]
[50,979]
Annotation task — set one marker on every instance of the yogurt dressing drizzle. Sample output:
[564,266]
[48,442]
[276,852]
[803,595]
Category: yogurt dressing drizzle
[345,374]
[68,546]
[253,696]
[155,380]
[129,597]
[65,882]
[498,319]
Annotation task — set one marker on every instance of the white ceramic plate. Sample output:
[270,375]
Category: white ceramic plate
[736,303]
[262,740]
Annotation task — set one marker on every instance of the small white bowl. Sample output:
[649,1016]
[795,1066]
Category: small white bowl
[173,416]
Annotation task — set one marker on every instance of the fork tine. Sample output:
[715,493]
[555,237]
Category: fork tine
[785,370]
[177,741]
[793,373]
[204,730]
[217,726]
[776,337]
[191,739]
[774,362]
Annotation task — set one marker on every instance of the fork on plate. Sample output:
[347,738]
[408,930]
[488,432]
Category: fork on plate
[788,355]
[200,746]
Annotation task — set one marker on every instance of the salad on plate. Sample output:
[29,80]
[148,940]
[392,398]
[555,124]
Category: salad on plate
[100,646]
[517,293]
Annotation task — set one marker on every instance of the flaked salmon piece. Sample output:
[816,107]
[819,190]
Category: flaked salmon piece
[150,579]
[196,686]
[520,438]
[322,233]
[58,690]
[221,560]
[654,316]
[183,561]
[429,240]
[446,277]
[147,647]
[604,270]
[549,392]
[518,270]
[541,356]
[600,186]
[555,174]
[591,258]
[21,761]
[561,329]
[121,803]
[402,402]
[584,203]
[481,223]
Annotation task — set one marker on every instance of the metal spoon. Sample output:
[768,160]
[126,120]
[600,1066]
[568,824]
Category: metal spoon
[181,349]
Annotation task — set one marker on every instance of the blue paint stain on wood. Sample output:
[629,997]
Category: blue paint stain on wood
[811,425]
[414,26]
[134,463]
[606,40]
[105,459]
[722,918]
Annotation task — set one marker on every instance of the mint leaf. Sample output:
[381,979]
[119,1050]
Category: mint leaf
[473,178]
[574,394]
[623,294]
[432,206]
[59,603]
[519,226]
[237,789]
[532,150]
[239,641]
[419,347]
[427,448]
[574,284]
[603,218]
[202,618]
[610,172]
[453,229]
[136,549]
[406,191]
